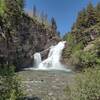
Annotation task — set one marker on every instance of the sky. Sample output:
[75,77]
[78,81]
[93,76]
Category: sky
[64,11]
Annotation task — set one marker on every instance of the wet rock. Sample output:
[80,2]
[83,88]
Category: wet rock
[48,85]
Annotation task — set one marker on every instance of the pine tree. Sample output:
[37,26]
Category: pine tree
[34,11]
[91,15]
[21,3]
[42,17]
[81,22]
[53,24]
[98,11]
[58,33]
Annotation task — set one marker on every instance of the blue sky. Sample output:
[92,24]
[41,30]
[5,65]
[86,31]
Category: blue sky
[64,11]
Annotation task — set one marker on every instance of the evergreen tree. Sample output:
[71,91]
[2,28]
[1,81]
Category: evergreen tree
[21,3]
[42,17]
[34,11]
[81,22]
[98,7]
[58,33]
[91,15]
[53,24]
[98,11]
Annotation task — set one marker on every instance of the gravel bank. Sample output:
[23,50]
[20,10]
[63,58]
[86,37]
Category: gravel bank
[47,85]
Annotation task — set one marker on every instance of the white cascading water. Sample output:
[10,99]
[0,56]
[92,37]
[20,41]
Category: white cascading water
[37,59]
[53,60]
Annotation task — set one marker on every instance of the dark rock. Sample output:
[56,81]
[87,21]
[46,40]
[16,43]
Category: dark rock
[30,37]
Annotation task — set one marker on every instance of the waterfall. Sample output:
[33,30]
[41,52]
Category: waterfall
[37,59]
[53,59]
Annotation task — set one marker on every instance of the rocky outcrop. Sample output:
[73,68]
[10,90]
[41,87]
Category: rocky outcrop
[31,36]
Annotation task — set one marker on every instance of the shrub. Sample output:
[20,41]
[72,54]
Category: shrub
[86,86]
[90,58]
[87,59]
[2,7]
[10,88]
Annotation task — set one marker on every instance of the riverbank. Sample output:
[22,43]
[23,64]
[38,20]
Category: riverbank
[47,85]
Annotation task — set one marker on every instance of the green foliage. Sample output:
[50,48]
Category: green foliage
[70,43]
[21,4]
[85,30]
[86,86]
[91,15]
[69,38]
[87,59]
[72,50]
[87,24]
[10,88]
[2,7]
[87,17]
[98,11]
[77,47]
[91,57]
[84,59]
[81,21]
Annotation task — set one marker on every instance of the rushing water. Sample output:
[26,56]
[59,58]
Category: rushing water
[37,59]
[53,60]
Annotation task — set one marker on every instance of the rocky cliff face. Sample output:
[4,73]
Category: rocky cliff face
[31,36]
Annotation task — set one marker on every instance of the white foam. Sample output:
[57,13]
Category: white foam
[53,60]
